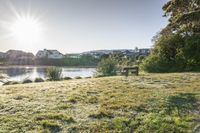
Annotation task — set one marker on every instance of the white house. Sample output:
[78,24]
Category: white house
[50,54]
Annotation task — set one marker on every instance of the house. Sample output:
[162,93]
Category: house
[50,54]
[41,54]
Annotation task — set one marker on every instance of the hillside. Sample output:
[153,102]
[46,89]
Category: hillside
[147,103]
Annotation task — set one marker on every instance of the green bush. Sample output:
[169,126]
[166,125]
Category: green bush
[39,80]
[89,77]
[15,82]
[78,77]
[27,81]
[107,67]
[183,56]
[67,78]
[173,54]
[54,73]
[155,64]
[98,76]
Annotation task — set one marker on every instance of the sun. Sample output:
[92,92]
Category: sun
[26,29]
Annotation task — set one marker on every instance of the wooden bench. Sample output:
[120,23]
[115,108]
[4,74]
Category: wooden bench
[133,70]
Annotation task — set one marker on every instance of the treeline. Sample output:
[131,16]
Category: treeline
[84,60]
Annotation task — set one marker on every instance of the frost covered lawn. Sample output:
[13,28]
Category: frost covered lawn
[147,103]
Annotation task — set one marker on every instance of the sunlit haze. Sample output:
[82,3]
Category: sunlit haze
[73,26]
[26,29]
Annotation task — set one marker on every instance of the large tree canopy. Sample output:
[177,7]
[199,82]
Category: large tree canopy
[184,15]
[177,46]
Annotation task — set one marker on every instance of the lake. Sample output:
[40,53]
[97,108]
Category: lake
[19,73]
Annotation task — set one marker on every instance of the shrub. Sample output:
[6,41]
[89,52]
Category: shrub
[15,82]
[174,53]
[54,73]
[27,81]
[88,77]
[78,77]
[67,78]
[107,67]
[98,76]
[39,80]
[153,64]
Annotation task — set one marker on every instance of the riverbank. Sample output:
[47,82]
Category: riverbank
[145,103]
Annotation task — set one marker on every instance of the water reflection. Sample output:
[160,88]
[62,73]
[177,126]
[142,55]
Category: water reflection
[20,73]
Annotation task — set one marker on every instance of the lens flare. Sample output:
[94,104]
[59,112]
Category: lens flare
[26,29]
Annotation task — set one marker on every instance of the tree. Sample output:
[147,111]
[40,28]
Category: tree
[107,67]
[176,46]
[184,16]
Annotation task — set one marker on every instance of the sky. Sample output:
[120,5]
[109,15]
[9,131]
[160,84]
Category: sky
[73,26]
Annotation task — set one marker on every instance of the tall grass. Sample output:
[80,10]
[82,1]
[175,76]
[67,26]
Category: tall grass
[54,73]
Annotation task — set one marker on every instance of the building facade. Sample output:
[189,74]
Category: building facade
[50,54]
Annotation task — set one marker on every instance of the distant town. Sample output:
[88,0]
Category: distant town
[51,57]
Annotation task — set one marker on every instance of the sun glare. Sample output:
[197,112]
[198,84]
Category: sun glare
[26,29]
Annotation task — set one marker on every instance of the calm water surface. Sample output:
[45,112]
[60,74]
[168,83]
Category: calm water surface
[19,73]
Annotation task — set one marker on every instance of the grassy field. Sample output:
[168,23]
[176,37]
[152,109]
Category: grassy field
[149,103]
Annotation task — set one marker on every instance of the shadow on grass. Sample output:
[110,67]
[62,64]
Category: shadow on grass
[181,103]
[171,114]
